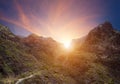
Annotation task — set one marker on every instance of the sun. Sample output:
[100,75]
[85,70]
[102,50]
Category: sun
[67,45]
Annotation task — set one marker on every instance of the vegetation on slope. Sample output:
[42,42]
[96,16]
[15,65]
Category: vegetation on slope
[94,61]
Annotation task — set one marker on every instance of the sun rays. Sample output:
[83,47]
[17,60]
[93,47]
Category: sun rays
[56,19]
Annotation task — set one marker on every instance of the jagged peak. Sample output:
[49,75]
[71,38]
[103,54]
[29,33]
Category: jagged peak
[106,25]
[4,28]
[5,32]
[105,28]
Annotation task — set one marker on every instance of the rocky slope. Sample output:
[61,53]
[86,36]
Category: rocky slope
[104,41]
[14,56]
[95,59]
[42,48]
[103,37]
[22,56]
[91,61]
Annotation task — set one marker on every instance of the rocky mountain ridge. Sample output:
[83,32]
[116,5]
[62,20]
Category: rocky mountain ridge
[94,59]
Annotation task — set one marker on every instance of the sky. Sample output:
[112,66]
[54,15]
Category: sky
[63,20]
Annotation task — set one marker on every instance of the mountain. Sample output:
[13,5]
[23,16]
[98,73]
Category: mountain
[21,56]
[43,49]
[104,41]
[103,37]
[94,59]
[14,56]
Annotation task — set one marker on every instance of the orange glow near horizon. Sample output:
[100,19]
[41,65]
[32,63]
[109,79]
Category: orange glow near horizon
[62,22]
